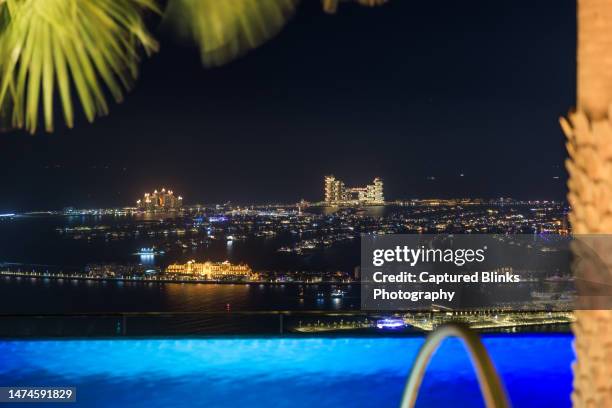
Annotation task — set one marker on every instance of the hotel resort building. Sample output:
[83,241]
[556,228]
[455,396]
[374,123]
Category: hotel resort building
[336,193]
[160,201]
[212,270]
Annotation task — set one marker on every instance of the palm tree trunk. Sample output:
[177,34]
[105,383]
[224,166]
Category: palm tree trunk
[589,134]
[594,57]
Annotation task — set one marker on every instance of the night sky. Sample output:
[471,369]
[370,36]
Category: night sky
[417,92]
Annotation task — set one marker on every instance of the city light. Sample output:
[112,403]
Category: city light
[160,201]
[390,323]
[336,193]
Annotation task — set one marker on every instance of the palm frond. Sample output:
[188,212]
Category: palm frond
[225,29]
[61,47]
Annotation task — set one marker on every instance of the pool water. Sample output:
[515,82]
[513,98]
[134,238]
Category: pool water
[284,372]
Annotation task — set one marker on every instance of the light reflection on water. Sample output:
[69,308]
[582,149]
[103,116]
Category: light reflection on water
[275,372]
[20,295]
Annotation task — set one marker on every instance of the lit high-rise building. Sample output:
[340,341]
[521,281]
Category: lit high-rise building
[334,190]
[376,193]
[160,201]
[337,193]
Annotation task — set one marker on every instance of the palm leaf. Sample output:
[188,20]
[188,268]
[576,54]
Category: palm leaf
[226,29]
[86,47]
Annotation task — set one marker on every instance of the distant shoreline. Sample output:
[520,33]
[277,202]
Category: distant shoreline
[142,280]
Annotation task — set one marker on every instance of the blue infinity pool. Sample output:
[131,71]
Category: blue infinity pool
[276,372]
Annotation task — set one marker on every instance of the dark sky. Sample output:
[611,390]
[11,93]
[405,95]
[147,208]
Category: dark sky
[408,91]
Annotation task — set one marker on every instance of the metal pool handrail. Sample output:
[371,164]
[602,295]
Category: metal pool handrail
[491,385]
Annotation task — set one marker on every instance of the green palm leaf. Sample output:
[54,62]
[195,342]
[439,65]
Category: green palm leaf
[225,29]
[87,47]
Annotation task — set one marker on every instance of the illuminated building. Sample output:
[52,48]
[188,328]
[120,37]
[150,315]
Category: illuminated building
[336,192]
[212,270]
[160,201]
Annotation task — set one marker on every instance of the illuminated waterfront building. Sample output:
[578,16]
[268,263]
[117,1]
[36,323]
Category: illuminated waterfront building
[212,270]
[336,192]
[160,201]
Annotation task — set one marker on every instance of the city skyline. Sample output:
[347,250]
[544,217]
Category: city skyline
[224,196]
[356,197]
[268,126]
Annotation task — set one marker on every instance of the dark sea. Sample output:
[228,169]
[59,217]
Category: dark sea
[28,242]
[36,240]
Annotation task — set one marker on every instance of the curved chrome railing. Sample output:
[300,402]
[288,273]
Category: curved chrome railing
[491,386]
